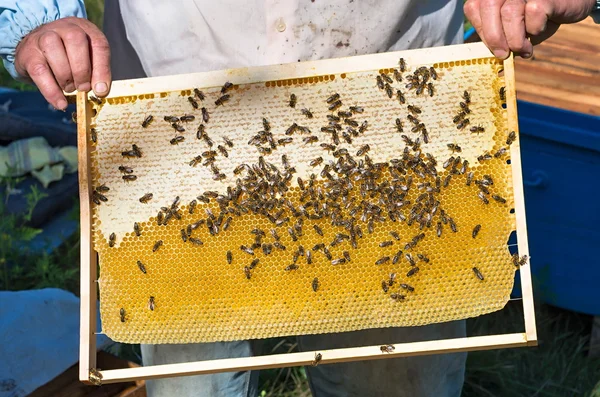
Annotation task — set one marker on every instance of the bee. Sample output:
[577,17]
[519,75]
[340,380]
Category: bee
[141,266]
[433,73]
[465,108]
[339,261]
[74,117]
[447,180]
[459,117]
[350,122]
[318,230]
[308,257]
[469,178]
[477,129]
[476,230]
[157,245]
[171,119]
[228,141]
[291,129]
[222,150]
[519,261]
[407,287]
[317,360]
[387,78]
[346,256]
[410,259]
[423,257]
[397,257]
[502,93]
[387,348]
[478,273]
[222,100]
[511,138]
[402,65]
[487,180]
[209,142]
[254,263]
[226,87]
[379,82]
[130,153]
[399,125]
[177,140]
[310,139]
[384,286]
[316,162]
[420,89]
[389,91]
[184,235]
[293,266]
[307,113]
[112,239]
[384,244]
[193,102]
[454,147]
[122,315]
[293,100]
[94,135]
[195,241]
[462,124]
[335,105]
[205,115]
[356,109]
[147,121]
[363,127]
[467,97]
[160,218]
[327,253]
[484,157]
[227,223]
[430,90]
[482,197]
[390,282]
[397,297]
[247,272]
[397,75]
[401,97]
[382,260]
[151,303]
[414,270]
[414,109]
[192,206]
[96,100]
[136,229]
[315,284]
[499,199]
[199,94]
[187,118]
[247,250]
[177,127]
[501,152]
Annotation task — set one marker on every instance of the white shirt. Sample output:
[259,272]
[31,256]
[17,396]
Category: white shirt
[184,36]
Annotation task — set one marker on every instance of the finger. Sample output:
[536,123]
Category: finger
[536,16]
[471,10]
[39,71]
[551,28]
[53,49]
[513,23]
[493,31]
[100,58]
[77,47]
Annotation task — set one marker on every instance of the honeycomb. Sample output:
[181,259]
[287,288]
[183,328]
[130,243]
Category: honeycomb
[190,293]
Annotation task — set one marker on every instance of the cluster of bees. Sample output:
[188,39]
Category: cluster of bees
[353,192]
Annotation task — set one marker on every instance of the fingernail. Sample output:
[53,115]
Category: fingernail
[100,88]
[526,55]
[501,54]
[61,104]
[85,87]
[70,87]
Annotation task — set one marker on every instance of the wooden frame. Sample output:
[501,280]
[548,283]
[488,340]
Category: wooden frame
[87,372]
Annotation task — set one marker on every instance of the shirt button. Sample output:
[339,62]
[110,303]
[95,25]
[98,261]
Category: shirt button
[280,25]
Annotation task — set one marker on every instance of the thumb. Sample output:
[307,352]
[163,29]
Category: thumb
[100,57]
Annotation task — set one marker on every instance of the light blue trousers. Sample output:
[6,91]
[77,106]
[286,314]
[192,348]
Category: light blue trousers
[423,376]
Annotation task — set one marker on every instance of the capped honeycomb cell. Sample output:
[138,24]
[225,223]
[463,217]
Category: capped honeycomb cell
[360,216]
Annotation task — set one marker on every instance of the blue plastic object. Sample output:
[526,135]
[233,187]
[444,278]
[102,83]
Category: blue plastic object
[561,173]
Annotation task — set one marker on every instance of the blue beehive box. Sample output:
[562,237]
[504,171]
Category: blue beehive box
[561,174]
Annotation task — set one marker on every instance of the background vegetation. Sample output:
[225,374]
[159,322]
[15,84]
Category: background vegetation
[559,367]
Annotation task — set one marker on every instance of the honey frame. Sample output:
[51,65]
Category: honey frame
[87,356]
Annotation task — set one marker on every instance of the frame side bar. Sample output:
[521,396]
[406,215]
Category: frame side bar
[523,244]
[306,358]
[87,321]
